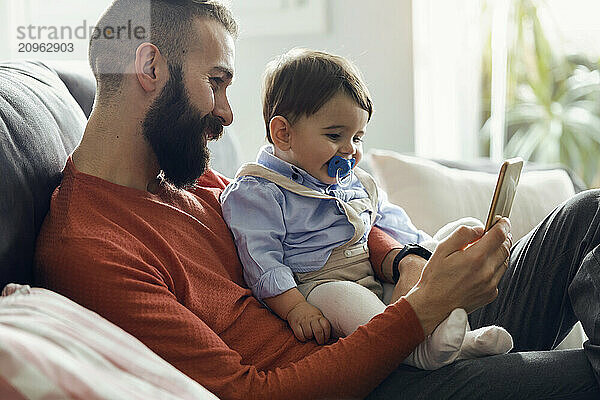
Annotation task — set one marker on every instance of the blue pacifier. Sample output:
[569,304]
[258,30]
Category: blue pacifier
[339,168]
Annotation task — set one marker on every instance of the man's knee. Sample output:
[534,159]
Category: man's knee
[585,204]
[573,221]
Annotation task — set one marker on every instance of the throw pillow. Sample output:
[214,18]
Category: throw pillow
[51,347]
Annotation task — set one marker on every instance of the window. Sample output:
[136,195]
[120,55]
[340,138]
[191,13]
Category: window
[447,60]
[504,78]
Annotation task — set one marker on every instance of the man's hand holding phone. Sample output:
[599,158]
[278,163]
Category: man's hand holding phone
[466,267]
[463,272]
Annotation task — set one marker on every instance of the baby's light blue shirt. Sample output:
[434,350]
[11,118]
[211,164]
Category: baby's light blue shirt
[278,232]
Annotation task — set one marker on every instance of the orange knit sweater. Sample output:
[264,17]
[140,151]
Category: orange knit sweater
[164,268]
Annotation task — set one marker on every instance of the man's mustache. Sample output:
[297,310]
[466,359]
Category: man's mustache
[214,127]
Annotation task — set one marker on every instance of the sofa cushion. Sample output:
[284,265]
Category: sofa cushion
[483,164]
[40,124]
[434,195]
[51,347]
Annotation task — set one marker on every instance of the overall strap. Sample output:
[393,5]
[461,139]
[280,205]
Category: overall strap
[371,187]
[255,169]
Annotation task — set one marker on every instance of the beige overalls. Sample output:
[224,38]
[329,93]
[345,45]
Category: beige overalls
[348,262]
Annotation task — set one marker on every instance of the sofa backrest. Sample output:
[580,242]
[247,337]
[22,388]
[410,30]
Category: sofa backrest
[40,125]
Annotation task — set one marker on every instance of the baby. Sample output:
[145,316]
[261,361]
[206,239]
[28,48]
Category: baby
[301,214]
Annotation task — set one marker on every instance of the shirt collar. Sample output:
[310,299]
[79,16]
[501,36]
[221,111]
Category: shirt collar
[266,158]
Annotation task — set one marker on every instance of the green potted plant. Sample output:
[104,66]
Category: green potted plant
[553,100]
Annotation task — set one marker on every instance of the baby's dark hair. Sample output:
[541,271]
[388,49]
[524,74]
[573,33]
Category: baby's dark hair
[301,81]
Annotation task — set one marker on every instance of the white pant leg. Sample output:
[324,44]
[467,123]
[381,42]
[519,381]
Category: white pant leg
[346,305]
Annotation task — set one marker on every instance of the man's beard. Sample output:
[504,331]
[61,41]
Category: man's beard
[178,133]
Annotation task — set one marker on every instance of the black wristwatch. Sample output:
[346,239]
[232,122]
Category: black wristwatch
[411,248]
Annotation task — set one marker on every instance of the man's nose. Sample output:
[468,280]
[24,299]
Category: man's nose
[223,110]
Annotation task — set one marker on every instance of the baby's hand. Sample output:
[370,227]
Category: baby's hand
[307,322]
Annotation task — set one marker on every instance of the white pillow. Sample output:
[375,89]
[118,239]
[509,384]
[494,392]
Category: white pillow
[51,347]
[434,195]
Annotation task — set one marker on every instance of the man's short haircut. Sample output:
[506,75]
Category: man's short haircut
[168,24]
[301,81]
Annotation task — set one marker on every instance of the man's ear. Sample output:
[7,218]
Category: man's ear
[150,67]
[279,127]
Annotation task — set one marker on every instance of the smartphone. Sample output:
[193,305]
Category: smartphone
[504,194]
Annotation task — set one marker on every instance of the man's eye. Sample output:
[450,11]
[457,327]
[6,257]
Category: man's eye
[333,136]
[357,139]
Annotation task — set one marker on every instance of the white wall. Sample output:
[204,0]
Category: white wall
[375,35]
[4,29]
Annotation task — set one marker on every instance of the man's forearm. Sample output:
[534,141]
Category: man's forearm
[387,263]
[380,247]
[410,268]
[429,315]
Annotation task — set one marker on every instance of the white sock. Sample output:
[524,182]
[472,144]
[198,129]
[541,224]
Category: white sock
[443,346]
[486,341]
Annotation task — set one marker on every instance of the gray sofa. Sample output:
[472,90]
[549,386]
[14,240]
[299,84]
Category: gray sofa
[40,124]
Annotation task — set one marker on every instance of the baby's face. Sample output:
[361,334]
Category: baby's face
[337,129]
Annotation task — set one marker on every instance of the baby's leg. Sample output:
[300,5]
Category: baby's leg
[453,340]
[346,305]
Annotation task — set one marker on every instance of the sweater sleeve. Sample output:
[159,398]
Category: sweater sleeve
[380,244]
[125,289]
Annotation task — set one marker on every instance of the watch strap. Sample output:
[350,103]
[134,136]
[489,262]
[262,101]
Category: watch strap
[411,248]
